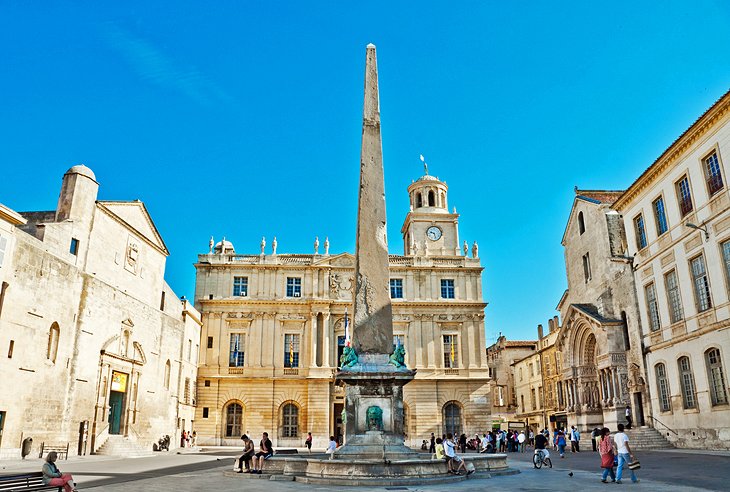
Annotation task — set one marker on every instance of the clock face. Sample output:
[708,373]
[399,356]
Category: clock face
[433,233]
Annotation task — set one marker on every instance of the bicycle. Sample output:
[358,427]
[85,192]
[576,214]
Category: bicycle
[539,459]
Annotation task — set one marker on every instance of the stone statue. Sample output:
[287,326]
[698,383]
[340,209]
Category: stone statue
[273,246]
[326,246]
[466,248]
[343,416]
[211,243]
[348,357]
[263,245]
[397,358]
[415,248]
[475,250]
[316,245]
[375,418]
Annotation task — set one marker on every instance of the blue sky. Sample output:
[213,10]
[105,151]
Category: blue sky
[243,119]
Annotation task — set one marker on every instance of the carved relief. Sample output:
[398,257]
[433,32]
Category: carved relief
[292,316]
[341,285]
[131,255]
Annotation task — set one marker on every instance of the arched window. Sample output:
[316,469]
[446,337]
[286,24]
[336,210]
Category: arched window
[687,379]
[716,377]
[166,380]
[289,420]
[53,335]
[443,200]
[419,200]
[662,385]
[581,223]
[234,420]
[452,418]
[625,323]
[431,199]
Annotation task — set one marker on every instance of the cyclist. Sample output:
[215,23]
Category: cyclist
[540,443]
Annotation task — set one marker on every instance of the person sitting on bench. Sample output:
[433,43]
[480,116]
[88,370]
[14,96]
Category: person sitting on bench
[53,476]
[266,451]
[247,454]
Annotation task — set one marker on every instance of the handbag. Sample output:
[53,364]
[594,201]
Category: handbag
[634,465]
[607,460]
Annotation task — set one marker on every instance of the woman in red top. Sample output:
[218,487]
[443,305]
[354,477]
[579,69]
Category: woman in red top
[605,449]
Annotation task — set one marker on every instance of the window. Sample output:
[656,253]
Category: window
[587,267]
[725,259]
[240,286]
[293,287]
[340,348]
[688,382]
[431,199]
[533,399]
[522,403]
[452,418]
[716,376]
[447,289]
[166,379]
[652,307]
[640,231]
[11,345]
[3,289]
[451,351]
[206,383]
[162,301]
[581,223]
[236,350]
[205,412]
[532,370]
[684,196]
[701,283]
[74,248]
[53,335]
[186,391]
[660,216]
[210,342]
[291,350]
[663,387]
[3,247]
[673,297]
[396,288]
[234,420]
[190,350]
[290,420]
[712,173]
[521,374]
[419,200]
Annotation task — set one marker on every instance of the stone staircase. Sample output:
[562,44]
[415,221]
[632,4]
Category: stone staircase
[647,438]
[123,446]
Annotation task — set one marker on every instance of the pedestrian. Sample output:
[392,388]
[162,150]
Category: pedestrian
[266,451]
[193,439]
[439,451]
[625,456]
[456,463]
[485,444]
[574,440]
[605,450]
[245,458]
[594,436]
[462,443]
[308,442]
[628,417]
[331,447]
[499,441]
[560,442]
[531,438]
[521,441]
[53,476]
[182,439]
[187,439]
[432,448]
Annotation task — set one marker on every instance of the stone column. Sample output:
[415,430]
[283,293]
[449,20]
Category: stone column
[313,330]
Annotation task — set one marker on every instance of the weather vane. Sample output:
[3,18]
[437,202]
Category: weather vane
[425,166]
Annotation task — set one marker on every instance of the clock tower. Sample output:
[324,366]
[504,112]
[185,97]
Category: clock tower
[429,228]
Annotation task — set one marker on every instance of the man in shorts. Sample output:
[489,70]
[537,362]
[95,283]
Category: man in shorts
[541,445]
[266,451]
[455,463]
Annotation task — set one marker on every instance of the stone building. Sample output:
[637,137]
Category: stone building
[551,362]
[500,359]
[677,219]
[274,327]
[600,337]
[528,391]
[99,348]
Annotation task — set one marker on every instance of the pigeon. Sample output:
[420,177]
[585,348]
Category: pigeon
[570,474]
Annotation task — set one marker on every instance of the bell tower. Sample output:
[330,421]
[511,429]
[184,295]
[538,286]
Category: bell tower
[429,228]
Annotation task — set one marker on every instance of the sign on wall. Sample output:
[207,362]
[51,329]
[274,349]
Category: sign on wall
[119,381]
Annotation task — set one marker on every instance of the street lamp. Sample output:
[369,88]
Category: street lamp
[702,228]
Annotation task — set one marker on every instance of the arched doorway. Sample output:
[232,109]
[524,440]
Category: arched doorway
[452,418]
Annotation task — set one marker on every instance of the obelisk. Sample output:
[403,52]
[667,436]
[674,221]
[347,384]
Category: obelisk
[373,314]
[373,370]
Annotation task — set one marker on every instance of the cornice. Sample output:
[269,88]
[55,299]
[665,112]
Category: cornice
[703,124]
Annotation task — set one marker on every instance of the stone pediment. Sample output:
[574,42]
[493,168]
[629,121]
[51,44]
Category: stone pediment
[346,260]
[135,217]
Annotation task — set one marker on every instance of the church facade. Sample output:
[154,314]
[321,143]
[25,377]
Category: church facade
[97,346]
[274,327]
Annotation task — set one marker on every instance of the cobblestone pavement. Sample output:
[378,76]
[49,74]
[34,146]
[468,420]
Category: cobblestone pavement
[661,471]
